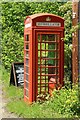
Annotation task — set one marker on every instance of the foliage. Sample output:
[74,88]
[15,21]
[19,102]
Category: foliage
[70,105]
[54,107]
[46,7]
[12,45]
[13,15]
[66,12]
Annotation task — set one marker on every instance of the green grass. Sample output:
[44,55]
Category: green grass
[64,103]
[31,111]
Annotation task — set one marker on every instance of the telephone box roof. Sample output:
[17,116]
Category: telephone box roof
[43,14]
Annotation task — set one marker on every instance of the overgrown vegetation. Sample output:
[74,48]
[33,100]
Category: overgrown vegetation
[63,104]
[13,15]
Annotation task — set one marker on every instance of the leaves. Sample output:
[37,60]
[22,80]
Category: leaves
[13,15]
[12,45]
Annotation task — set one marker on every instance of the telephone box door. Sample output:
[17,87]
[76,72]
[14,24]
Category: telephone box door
[48,60]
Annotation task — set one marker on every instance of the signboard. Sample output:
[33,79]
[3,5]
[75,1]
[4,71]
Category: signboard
[53,24]
[17,74]
[28,25]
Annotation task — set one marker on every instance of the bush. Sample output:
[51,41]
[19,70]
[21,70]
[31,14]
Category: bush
[12,47]
[65,102]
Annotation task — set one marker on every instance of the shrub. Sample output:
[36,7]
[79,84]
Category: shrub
[12,47]
[65,101]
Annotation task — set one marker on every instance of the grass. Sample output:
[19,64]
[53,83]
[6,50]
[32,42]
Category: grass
[64,104]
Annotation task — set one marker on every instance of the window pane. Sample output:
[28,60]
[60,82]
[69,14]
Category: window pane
[48,47]
[27,61]
[27,54]
[27,85]
[27,37]
[27,93]
[27,77]
[27,46]
[38,38]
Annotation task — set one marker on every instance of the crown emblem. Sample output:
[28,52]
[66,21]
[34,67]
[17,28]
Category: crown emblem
[48,19]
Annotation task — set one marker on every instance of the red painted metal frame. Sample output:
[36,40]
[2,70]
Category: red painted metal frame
[61,57]
[41,33]
[32,31]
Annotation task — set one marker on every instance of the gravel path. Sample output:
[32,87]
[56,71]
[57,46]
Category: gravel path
[4,113]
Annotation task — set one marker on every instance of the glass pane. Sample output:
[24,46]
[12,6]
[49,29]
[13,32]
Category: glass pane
[49,37]
[48,51]
[38,78]
[43,46]
[27,94]
[49,61]
[27,37]
[44,53]
[43,70]
[27,77]
[53,62]
[42,62]
[38,37]
[43,78]
[27,69]
[38,46]
[46,46]
[51,54]
[38,53]
[27,46]
[51,46]
[38,61]
[27,54]
[27,62]
[38,71]
[51,70]
[27,85]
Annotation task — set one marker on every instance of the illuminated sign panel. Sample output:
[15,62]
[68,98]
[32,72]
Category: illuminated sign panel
[53,24]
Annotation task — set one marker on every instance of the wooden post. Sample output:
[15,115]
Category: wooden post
[79,51]
[75,42]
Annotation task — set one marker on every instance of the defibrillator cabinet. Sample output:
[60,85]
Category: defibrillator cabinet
[43,53]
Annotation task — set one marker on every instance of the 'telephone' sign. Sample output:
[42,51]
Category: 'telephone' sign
[53,24]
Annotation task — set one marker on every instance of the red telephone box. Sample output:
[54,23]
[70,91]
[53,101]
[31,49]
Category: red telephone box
[43,53]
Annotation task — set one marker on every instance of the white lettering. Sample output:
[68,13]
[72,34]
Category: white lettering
[28,25]
[20,77]
[48,24]
[21,70]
